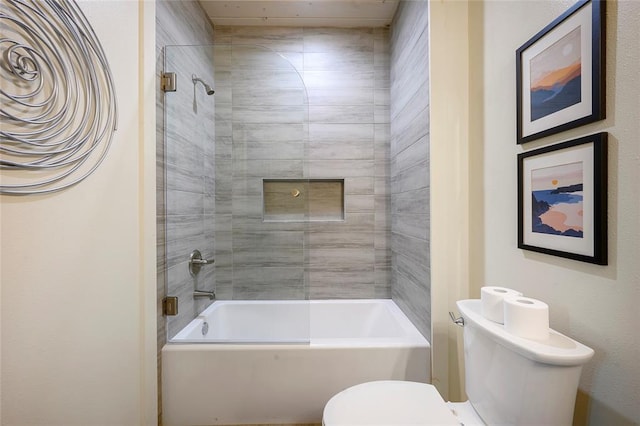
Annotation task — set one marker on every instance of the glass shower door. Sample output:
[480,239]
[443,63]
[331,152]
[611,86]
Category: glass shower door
[267,115]
[234,183]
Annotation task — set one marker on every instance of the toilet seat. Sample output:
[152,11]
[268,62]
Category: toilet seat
[388,402]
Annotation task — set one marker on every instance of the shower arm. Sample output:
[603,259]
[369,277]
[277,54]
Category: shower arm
[195,79]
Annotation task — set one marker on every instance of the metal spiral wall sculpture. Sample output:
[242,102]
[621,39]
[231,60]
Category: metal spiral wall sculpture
[58,106]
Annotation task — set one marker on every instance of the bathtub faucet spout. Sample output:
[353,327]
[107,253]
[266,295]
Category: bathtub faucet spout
[201,293]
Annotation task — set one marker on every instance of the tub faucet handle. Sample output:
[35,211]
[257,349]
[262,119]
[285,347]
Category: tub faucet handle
[196,262]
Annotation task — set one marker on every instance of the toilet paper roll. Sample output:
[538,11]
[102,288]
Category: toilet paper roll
[491,302]
[526,317]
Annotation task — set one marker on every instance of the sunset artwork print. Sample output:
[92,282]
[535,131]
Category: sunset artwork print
[557,200]
[556,76]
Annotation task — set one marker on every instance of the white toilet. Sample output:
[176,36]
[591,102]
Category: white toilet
[509,381]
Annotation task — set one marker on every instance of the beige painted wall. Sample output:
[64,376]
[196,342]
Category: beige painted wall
[78,267]
[449,151]
[596,305]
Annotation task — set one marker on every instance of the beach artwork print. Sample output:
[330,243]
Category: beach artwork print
[557,200]
[555,76]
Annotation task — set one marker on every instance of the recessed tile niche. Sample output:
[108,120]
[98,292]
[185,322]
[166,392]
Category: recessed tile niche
[303,200]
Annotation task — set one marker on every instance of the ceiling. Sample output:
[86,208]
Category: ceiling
[297,13]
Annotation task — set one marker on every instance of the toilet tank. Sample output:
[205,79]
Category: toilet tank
[516,381]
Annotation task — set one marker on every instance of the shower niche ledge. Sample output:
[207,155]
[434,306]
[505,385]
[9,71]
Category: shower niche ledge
[302,200]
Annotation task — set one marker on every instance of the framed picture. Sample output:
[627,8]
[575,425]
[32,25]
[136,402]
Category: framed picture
[562,199]
[560,73]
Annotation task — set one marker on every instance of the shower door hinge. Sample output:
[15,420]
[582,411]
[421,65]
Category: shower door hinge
[169,81]
[170,306]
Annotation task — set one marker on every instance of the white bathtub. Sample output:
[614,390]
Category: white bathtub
[328,346]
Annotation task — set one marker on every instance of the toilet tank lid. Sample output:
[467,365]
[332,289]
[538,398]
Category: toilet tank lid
[558,349]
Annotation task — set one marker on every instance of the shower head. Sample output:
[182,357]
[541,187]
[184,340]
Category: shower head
[207,88]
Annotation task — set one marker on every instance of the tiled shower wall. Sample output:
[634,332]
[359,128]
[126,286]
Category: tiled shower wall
[345,136]
[346,72]
[411,288]
[185,164]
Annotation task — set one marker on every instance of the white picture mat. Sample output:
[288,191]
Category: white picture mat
[581,18]
[580,153]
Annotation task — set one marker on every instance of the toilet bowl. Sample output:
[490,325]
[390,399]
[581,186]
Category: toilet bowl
[509,381]
[396,403]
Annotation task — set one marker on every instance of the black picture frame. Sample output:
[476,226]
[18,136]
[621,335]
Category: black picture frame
[560,73]
[577,169]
